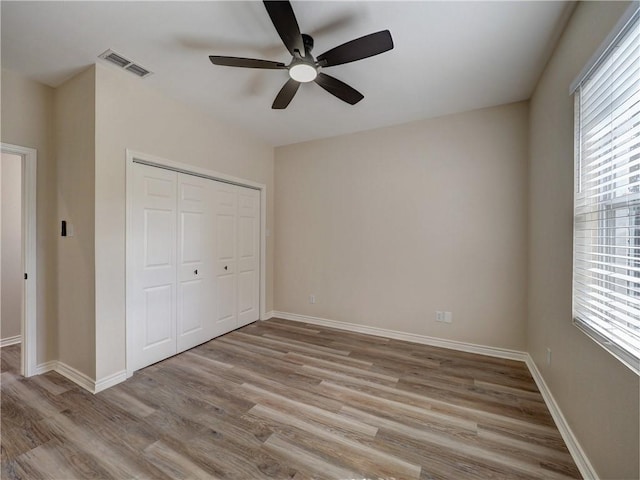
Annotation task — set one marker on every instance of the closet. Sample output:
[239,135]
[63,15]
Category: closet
[195,271]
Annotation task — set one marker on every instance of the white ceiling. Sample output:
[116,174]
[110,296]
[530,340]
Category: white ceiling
[448,56]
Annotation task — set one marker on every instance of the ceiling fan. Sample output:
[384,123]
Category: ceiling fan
[303,67]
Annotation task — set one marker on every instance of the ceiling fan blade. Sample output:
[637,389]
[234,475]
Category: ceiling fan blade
[363,47]
[340,89]
[284,20]
[285,95]
[334,24]
[245,62]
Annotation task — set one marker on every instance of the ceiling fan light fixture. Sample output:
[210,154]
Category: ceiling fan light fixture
[303,67]
[303,72]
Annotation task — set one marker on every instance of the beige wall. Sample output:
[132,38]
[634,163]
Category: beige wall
[131,115]
[27,119]
[75,152]
[387,226]
[11,245]
[597,394]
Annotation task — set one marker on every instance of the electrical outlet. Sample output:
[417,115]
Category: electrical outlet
[548,356]
[439,316]
[312,298]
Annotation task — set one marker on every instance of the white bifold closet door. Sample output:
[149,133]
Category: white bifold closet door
[154,220]
[248,256]
[195,279]
[237,256]
[195,261]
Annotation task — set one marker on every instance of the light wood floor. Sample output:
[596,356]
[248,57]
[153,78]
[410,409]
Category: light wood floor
[279,399]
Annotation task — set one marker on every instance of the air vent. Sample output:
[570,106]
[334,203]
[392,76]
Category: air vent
[120,61]
[138,70]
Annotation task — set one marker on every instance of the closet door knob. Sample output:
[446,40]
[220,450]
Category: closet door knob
[226,267]
[195,271]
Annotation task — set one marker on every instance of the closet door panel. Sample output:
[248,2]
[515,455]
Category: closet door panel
[248,304]
[158,321]
[194,283]
[154,265]
[225,225]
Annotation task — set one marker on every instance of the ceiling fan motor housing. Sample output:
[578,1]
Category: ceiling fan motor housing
[307,40]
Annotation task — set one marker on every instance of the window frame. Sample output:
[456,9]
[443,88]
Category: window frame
[607,209]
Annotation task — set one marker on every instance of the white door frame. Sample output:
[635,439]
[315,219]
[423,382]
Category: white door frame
[29,319]
[146,159]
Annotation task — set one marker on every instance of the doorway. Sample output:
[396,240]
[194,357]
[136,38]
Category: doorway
[18,254]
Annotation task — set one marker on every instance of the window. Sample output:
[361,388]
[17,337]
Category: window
[606,271]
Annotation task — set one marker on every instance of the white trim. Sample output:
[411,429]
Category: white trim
[80,378]
[408,337]
[75,376]
[577,453]
[263,251]
[29,235]
[45,367]
[160,162]
[129,272]
[152,160]
[68,372]
[605,46]
[5,342]
[109,381]
[268,315]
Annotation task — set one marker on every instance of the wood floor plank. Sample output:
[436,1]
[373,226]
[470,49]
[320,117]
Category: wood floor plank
[114,458]
[10,359]
[52,387]
[7,377]
[128,402]
[173,464]
[350,451]
[230,451]
[382,405]
[309,412]
[33,398]
[286,400]
[304,391]
[386,356]
[315,465]
[473,392]
[307,330]
[23,439]
[57,459]
[286,347]
[441,463]
[427,402]
[281,336]
[459,444]
[331,335]
[305,360]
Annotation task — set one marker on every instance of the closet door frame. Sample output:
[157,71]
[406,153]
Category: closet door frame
[154,161]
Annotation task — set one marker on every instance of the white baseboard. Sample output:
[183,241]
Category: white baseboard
[75,376]
[268,315]
[110,381]
[577,453]
[5,342]
[80,378]
[45,367]
[408,337]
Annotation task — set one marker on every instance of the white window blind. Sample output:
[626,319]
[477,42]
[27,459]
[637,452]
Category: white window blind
[606,276]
